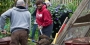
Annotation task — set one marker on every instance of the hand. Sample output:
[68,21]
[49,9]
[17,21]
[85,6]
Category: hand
[3,31]
[40,27]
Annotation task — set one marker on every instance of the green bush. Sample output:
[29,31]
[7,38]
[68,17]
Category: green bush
[73,6]
[4,5]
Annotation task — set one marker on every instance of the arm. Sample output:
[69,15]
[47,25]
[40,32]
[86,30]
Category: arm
[47,18]
[3,18]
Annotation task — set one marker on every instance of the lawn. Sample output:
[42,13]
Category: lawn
[36,38]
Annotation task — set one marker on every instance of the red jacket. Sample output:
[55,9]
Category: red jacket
[43,17]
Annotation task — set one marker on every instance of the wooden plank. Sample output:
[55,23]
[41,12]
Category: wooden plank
[85,18]
[88,33]
[78,2]
[27,4]
[66,1]
[54,41]
[54,44]
[69,0]
[89,5]
[80,24]
[71,21]
[63,25]
[61,1]
[60,30]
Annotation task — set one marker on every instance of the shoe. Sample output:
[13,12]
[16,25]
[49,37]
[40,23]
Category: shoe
[33,40]
[29,39]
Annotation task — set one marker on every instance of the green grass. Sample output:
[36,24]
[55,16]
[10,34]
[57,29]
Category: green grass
[36,38]
[31,43]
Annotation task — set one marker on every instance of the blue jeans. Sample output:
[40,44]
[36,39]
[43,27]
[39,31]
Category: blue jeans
[33,31]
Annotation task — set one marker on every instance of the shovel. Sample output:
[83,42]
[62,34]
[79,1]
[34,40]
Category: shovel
[41,31]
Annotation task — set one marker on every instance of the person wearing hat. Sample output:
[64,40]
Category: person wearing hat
[20,19]
[47,2]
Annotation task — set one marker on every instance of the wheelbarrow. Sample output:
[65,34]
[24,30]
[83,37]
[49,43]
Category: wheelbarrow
[5,41]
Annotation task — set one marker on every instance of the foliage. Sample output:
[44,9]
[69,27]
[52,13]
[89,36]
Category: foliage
[73,6]
[57,13]
[32,9]
[4,5]
[55,9]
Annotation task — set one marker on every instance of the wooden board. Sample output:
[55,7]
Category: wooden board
[71,21]
[81,24]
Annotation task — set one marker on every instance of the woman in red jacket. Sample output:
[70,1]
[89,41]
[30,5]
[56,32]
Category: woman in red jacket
[44,18]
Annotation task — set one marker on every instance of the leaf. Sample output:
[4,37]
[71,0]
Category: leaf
[0,4]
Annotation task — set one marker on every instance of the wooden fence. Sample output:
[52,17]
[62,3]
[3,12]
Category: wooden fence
[76,2]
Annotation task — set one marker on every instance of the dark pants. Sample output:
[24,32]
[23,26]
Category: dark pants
[19,37]
[33,31]
[48,30]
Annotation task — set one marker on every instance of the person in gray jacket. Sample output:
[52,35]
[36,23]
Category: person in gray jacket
[20,21]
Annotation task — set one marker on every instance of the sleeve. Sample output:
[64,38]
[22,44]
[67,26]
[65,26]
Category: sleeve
[3,18]
[29,20]
[47,18]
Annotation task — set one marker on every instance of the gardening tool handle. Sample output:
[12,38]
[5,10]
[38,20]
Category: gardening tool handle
[41,32]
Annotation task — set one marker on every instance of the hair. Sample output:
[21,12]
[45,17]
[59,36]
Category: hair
[39,2]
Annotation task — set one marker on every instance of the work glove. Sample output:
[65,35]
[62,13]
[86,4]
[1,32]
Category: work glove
[40,27]
[4,32]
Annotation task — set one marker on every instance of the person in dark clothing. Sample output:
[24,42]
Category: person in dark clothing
[34,25]
[59,17]
[20,19]
[58,22]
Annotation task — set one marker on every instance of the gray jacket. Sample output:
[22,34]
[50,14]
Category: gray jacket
[19,18]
